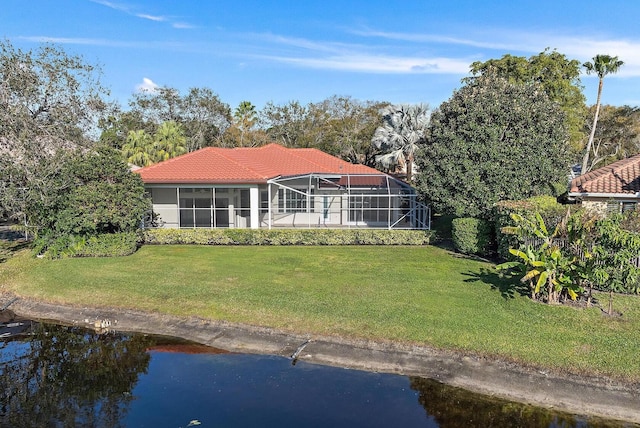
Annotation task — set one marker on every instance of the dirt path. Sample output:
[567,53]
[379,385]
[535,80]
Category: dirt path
[579,395]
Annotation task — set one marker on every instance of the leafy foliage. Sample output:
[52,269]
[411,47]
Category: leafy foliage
[201,115]
[617,135]
[142,150]
[49,103]
[547,270]
[403,131]
[471,235]
[340,126]
[286,237]
[558,76]
[493,140]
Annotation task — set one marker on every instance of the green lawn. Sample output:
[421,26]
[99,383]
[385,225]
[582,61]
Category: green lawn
[422,295]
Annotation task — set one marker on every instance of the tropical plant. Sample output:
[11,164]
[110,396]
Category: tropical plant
[602,65]
[547,270]
[403,130]
[616,249]
[169,142]
[136,148]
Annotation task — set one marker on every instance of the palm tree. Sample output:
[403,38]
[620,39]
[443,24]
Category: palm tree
[404,128]
[245,116]
[169,142]
[136,148]
[601,65]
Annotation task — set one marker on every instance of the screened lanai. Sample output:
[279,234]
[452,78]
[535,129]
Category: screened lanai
[348,200]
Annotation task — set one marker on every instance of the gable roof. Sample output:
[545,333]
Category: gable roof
[253,165]
[619,178]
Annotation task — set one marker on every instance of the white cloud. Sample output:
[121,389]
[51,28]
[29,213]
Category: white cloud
[151,17]
[131,10]
[147,85]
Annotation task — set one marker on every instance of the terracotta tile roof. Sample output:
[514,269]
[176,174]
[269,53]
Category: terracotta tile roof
[621,177]
[215,165]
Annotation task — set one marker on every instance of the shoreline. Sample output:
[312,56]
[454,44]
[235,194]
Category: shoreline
[588,396]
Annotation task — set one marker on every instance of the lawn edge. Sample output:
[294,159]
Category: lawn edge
[589,396]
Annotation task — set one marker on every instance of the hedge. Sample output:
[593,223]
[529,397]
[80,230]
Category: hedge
[286,236]
[471,235]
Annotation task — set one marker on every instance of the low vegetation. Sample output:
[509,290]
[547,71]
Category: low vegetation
[286,237]
[414,294]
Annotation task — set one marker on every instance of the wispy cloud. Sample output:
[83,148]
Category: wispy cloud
[581,47]
[133,11]
[104,42]
[379,64]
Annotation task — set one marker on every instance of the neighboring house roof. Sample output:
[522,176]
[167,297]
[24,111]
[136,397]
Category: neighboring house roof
[253,165]
[617,179]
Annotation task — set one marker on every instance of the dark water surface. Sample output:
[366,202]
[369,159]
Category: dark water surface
[68,376]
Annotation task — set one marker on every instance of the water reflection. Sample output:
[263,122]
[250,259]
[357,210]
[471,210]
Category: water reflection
[67,376]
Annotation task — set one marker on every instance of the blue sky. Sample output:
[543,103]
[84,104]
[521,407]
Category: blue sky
[402,52]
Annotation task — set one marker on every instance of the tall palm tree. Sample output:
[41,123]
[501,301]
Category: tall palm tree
[245,116]
[601,65]
[404,128]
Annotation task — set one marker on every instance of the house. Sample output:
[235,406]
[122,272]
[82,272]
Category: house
[274,186]
[612,188]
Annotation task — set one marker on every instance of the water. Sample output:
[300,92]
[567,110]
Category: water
[67,376]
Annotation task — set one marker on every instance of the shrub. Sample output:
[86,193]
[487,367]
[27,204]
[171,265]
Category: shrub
[105,245]
[286,237]
[471,235]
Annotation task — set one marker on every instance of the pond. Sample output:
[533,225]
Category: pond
[68,376]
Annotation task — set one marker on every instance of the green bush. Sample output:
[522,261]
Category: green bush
[105,245]
[471,235]
[286,237]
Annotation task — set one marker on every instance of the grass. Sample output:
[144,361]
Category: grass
[422,295]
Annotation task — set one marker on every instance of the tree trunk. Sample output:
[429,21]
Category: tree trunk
[610,302]
[585,160]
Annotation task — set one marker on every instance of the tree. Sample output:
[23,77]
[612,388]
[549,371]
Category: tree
[169,141]
[200,113]
[141,149]
[137,148]
[403,130]
[50,102]
[285,123]
[558,76]
[245,118]
[617,135]
[104,197]
[492,140]
[602,65]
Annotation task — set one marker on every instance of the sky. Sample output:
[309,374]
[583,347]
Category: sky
[413,51]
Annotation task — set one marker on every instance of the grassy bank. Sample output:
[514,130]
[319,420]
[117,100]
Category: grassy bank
[422,295]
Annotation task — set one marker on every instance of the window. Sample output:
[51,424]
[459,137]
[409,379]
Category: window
[291,201]
[195,207]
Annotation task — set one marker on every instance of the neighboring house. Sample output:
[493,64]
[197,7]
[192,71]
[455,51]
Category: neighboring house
[612,188]
[274,186]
